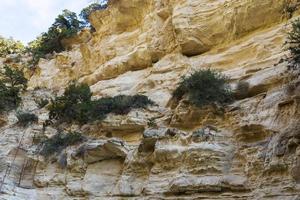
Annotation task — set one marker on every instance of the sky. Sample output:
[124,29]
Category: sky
[24,20]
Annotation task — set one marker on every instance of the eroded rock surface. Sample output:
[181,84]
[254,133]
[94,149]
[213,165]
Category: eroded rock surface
[247,150]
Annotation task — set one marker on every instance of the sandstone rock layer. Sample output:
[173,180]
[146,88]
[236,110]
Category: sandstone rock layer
[252,150]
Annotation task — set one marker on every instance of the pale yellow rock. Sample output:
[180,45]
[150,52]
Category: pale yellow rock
[250,149]
[102,184]
[199,26]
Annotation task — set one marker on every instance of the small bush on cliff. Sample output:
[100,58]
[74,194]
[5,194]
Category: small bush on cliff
[204,87]
[68,107]
[10,46]
[86,12]
[293,45]
[12,81]
[42,102]
[76,105]
[66,25]
[26,118]
[59,142]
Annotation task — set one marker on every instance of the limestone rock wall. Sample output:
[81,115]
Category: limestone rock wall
[249,150]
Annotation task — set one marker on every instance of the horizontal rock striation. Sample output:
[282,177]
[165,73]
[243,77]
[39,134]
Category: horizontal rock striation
[248,150]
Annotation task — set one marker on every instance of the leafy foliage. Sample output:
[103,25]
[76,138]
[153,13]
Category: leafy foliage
[9,97]
[85,13]
[42,102]
[59,142]
[293,45]
[76,105]
[12,81]
[70,106]
[10,46]
[78,93]
[65,25]
[204,87]
[26,118]
[14,78]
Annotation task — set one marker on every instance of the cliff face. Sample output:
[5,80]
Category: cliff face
[145,47]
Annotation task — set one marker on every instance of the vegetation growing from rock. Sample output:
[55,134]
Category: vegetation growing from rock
[76,105]
[42,102]
[86,12]
[65,25]
[59,142]
[25,118]
[204,87]
[293,45]
[10,46]
[12,81]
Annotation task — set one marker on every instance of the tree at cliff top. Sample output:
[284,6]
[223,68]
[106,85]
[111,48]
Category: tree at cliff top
[12,81]
[66,25]
[204,87]
[86,12]
[293,45]
[10,46]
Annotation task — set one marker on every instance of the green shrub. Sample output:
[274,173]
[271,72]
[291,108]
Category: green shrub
[42,102]
[77,93]
[66,25]
[204,87]
[10,46]
[13,78]
[85,13]
[120,105]
[59,142]
[293,45]
[70,106]
[9,97]
[26,118]
[76,105]
[12,81]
